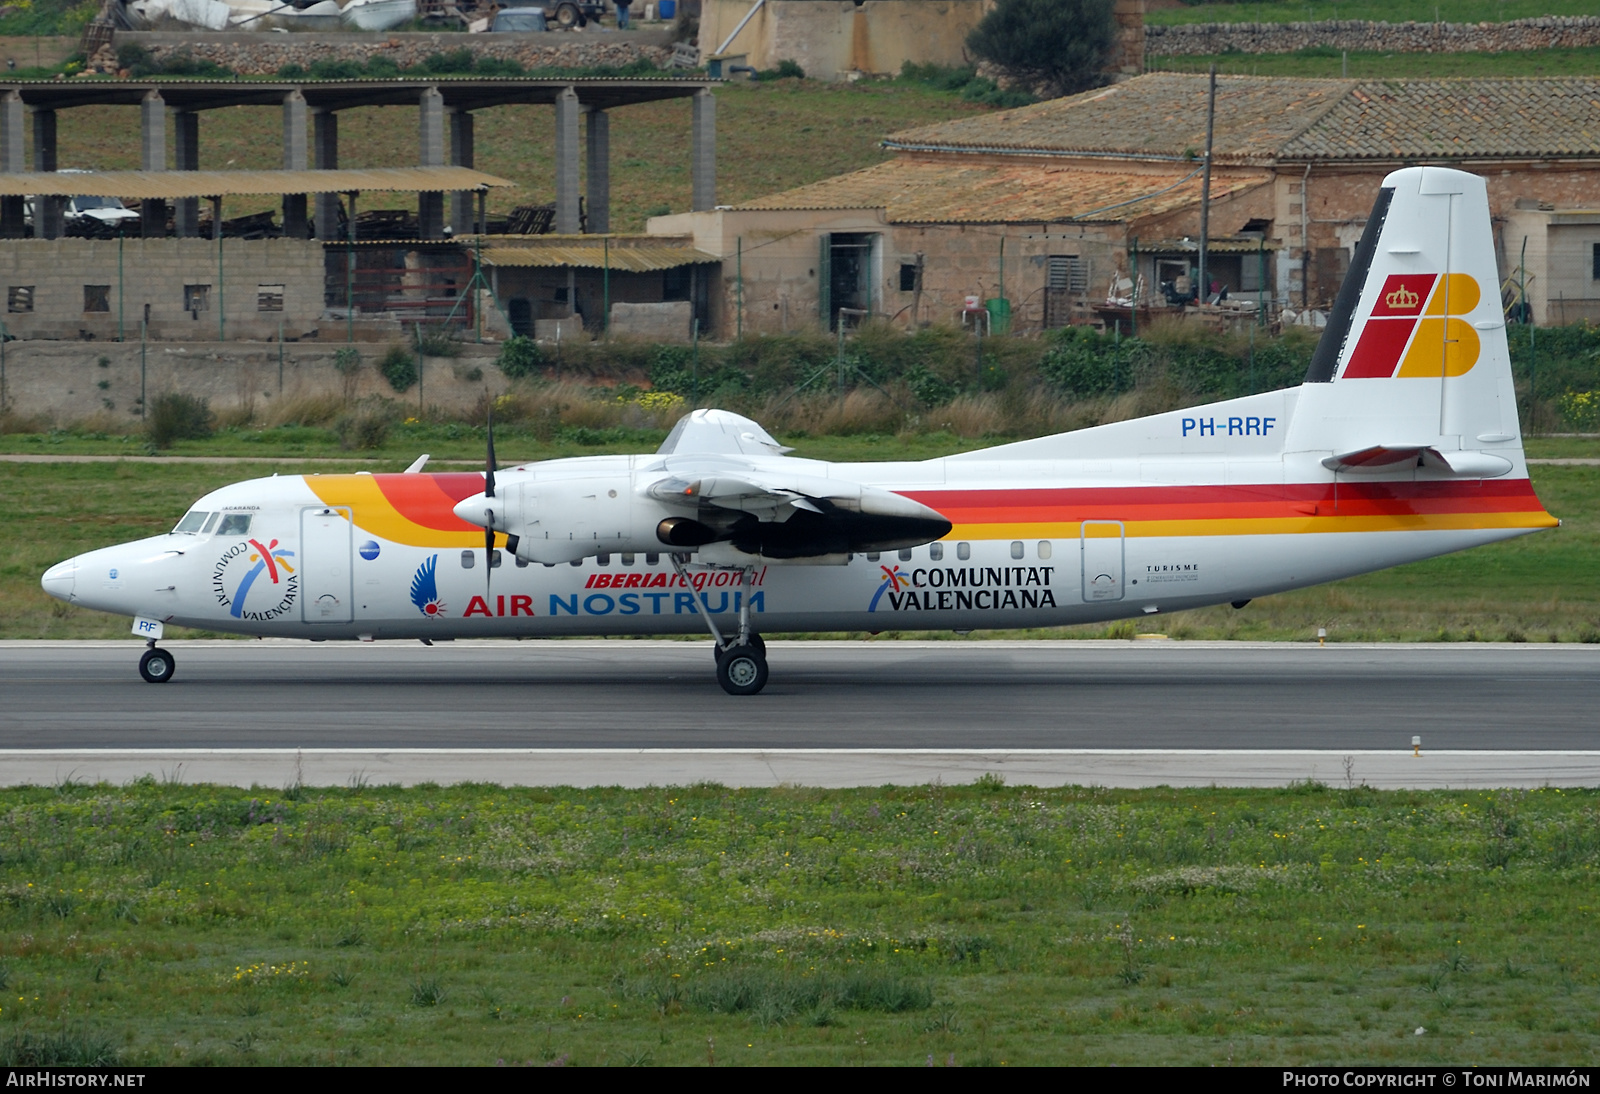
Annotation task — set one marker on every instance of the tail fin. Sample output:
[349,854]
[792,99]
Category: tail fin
[1414,355]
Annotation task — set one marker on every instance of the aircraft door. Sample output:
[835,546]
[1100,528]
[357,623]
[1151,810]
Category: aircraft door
[1102,560]
[325,536]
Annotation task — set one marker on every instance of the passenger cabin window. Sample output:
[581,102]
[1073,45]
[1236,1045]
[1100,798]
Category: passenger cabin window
[494,560]
[522,563]
[651,558]
[1016,548]
[603,559]
[627,559]
[935,552]
[192,521]
[1044,548]
[872,556]
[905,555]
[963,551]
[468,560]
[234,524]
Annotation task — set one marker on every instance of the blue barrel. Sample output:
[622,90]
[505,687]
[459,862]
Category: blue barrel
[667,9]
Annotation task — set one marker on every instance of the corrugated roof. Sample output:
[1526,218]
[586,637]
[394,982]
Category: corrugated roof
[1222,245]
[628,259]
[923,192]
[1530,118]
[170,185]
[1261,119]
[1162,115]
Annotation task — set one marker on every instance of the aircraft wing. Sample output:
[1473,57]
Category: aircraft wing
[791,516]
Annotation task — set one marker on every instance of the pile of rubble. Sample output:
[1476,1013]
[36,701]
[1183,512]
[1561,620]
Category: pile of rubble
[272,53]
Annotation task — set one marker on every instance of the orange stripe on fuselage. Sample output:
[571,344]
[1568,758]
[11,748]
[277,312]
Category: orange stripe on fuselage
[417,510]
[1243,510]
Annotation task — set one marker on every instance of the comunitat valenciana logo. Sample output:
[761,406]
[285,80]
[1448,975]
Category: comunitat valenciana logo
[255,581]
[1416,329]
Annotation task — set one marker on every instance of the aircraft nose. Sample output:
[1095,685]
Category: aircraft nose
[61,580]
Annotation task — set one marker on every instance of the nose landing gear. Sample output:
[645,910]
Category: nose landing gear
[157,665]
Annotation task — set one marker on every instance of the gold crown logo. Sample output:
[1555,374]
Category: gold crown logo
[1402,299]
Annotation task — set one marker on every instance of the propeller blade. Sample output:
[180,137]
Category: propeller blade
[488,557]
[488,462]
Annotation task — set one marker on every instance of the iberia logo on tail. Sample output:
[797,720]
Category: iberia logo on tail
[1416,329]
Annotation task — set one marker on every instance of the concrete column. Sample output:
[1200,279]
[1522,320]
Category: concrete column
[47,220]
[567,162]
[703,151]
[430,153]
[153,157]
[186,157]
[294,159]
[598,180]
[12,224]
[461,155]
[325,157]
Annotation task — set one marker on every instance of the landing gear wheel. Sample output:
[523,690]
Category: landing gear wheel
[567,15]
[742,669]
[755,641]
[156,666]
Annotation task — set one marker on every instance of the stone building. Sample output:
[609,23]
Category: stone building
[1077,191]
[839,39]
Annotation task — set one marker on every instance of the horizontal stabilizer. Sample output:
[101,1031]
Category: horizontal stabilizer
[1380,458]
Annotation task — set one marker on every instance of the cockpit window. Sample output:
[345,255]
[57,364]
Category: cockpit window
[212,519]
[191,521]
[234,524]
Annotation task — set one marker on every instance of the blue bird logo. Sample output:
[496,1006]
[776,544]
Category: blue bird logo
[425,588]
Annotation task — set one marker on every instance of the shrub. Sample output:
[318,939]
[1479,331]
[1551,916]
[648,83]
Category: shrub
[1581,410]
[347,360]
[382,67]
[330,68]
[292,71]
[1086,365]
[456,61]
[519,358]
[364,429]
[436,342]
[398,367]
[1058,44]
[497,66]
[177,417]
[786,70]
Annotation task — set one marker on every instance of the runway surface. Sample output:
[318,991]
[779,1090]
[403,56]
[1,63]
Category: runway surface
[822,695]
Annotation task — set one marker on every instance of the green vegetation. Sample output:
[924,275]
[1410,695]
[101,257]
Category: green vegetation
[1059,45]
[1325,61]
[971,925]
[1387,11]
[973,88]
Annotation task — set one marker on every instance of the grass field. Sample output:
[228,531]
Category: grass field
[948,925]
[1537,588]
[770,137]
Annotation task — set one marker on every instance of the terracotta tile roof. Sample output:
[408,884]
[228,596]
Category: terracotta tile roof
[1471,118]
[922,192]
[1160,115]
[1261,119]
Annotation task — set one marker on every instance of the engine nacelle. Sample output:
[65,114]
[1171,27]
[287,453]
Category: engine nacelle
[562,519]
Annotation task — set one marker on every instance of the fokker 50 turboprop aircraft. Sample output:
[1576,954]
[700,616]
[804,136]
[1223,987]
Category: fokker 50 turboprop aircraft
[1401,444]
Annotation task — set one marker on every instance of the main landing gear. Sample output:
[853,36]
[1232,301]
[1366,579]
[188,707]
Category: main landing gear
[741,659]
[157,665]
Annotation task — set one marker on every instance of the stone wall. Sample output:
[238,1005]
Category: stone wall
[1521,35]
[66,382]
[264,54]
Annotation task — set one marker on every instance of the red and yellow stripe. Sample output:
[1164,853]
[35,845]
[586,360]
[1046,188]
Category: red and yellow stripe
[1243,510]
